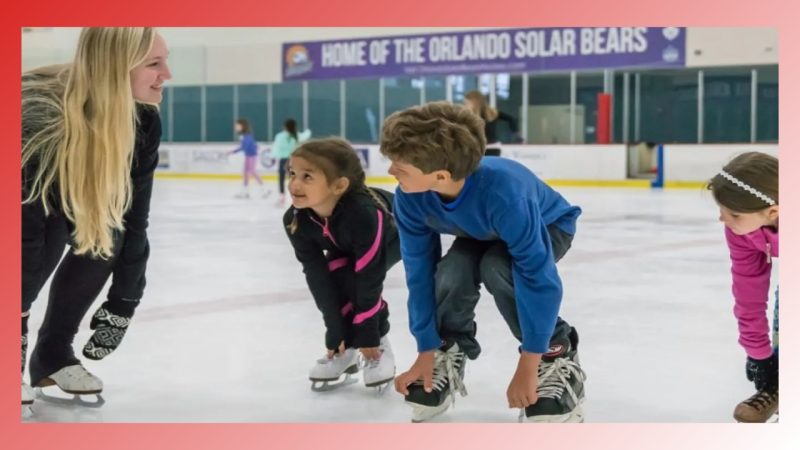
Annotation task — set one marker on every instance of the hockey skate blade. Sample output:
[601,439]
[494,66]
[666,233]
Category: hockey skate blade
[76,400]
[422,413]
[574,416]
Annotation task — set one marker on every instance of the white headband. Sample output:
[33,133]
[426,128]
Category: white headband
[747,187]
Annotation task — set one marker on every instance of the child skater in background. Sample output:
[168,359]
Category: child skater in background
[746,191]
[250,148]
[343,234]
[286,141]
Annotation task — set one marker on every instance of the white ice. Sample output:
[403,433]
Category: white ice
[227,330]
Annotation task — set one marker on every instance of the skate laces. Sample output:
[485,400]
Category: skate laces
[365,363]
[553,378]
[336,357]
[446,367]
[761,399]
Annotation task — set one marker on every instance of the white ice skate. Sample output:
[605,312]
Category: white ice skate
[329,374]
[380,372]
[27,401]
[74,380]
[27,394]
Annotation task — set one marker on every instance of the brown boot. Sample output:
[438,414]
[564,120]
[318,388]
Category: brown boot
[758,408]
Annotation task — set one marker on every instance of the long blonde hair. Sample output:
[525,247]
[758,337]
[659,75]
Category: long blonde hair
[79,132]
[485,111]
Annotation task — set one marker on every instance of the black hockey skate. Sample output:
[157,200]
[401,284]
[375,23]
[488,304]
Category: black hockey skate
[448,375]
[561,378]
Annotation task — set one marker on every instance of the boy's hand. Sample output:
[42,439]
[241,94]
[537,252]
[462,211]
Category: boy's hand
[522,389]
[421,370]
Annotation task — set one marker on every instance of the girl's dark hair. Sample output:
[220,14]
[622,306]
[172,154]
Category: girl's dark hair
[336,159]
[291,127]
[245,126]
[759,171]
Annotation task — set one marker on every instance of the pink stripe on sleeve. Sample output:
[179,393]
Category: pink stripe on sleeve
[367,314]
[336,264]
[367,258]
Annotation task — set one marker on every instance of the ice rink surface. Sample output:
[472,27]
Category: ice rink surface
[227,330]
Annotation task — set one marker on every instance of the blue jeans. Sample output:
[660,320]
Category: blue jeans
[468,263]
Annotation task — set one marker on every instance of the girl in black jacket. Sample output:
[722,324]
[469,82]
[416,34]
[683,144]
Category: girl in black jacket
[344,235]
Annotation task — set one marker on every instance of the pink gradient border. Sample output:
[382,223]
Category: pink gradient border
[506,13]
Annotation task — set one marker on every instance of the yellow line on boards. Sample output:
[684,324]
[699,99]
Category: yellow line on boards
[638,184]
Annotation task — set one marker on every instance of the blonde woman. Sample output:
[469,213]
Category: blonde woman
[90,137]
[476,102]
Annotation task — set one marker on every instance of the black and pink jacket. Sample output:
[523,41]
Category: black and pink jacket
[345,258]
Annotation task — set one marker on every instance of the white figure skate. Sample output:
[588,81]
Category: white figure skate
[379,373]
[74,380]
[328,374]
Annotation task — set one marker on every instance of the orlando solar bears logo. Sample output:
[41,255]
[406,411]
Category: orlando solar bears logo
[297,61]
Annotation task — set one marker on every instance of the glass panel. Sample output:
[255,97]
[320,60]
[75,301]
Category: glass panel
[287,103]
[324,114]
[186,114]
[669,106]
[362,110]
[219,114]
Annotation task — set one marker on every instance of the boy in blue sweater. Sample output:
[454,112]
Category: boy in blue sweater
[510,230]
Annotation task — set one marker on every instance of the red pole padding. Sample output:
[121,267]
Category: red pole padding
[603,118]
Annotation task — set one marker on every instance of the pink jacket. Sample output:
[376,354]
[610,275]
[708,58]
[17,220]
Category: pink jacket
[751,263]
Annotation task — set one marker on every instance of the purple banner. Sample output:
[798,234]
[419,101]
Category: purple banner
[512,50]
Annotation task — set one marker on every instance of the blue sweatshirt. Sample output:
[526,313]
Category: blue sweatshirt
[502,200]
[248,144]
